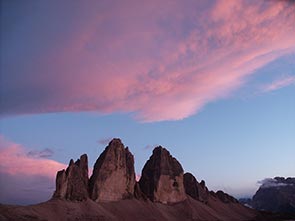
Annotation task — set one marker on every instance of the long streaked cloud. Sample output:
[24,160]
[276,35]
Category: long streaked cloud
[279,83]
[158,60]
[25,178]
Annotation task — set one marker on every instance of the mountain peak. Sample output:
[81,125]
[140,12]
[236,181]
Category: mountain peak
[162,178]
[113,175]
[72,183]
[113,178]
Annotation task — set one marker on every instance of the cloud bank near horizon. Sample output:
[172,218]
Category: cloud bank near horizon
[26,176]
[272,183]
[158,60]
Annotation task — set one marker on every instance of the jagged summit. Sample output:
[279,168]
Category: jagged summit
[113,175]
[112,193]
[113,179]
[72,183]
[168,165]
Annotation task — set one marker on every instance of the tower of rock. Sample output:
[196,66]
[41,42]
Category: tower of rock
[113,175]
[162,178]
[72,183]
[113,178]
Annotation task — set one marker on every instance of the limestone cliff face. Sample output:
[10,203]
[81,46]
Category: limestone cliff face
[113,175]
[113,179]
[162,178]
[72,183]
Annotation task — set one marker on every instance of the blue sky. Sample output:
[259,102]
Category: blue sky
[221,101]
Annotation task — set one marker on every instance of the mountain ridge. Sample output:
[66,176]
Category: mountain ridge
[164,192]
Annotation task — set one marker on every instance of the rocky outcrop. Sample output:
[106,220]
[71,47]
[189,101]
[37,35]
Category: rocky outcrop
[225,198]
[193,188]
[72,183]
[200,192]
[113,179]
[276,195]
[162,178]
[113,175]
[190,185]
[203,192]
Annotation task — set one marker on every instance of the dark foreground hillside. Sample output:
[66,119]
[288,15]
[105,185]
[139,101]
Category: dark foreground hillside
[134,210]
[130,210]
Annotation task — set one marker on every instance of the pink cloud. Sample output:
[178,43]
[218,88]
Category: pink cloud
[14,160]
[160,61]
[279,83]
[25,178]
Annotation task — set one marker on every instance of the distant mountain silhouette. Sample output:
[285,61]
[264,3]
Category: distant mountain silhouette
[164,192]
[276,195]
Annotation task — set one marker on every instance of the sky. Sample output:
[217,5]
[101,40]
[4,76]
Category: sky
[212,81]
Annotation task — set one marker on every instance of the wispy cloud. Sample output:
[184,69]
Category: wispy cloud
[158,60]
[149,147]
[45,153]
[104,141]
[279,83]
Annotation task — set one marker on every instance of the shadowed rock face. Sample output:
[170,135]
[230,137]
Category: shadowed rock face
[195,189]
[113,175]
[138,194]
[162,178]
[72,183]
[190,185]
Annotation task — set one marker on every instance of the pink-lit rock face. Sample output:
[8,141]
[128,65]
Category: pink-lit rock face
[162,178]
[113,175]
